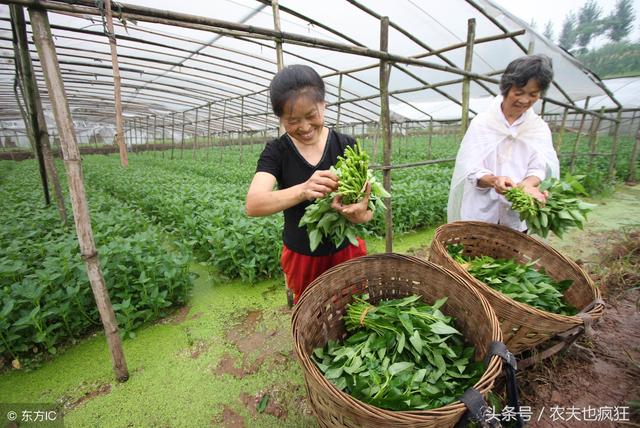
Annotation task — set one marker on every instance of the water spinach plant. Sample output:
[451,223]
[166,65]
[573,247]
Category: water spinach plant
[521,282]
[561,211]
[401,354]
[322,221]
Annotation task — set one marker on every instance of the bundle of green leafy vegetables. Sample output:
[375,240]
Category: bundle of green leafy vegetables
[521,282]
[402,354]
[322,221]
[561,211]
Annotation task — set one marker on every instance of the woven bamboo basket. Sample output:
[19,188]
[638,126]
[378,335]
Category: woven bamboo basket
[317,318]
[523,326]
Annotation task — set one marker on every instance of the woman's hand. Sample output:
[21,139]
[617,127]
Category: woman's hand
[501,183]
[319,184]
[356,213]
[535,192]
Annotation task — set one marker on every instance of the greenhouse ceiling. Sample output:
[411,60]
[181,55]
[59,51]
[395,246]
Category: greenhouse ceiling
[218,57]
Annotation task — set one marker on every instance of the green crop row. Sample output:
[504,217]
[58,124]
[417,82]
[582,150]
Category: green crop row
[45,295]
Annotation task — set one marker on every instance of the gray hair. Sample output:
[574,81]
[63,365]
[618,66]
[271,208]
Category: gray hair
[521,70]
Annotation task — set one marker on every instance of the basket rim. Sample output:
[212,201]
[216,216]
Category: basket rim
[595,311]
[491,371]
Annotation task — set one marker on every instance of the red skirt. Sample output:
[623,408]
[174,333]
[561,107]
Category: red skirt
[300,270]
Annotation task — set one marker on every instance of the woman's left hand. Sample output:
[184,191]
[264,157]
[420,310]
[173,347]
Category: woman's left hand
[356,213]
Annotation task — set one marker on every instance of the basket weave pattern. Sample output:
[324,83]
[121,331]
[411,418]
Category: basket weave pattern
[523,326]
[317,318]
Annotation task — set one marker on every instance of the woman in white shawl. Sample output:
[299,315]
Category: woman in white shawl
[508,145]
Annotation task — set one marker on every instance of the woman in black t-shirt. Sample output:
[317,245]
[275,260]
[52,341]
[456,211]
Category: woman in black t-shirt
[298,162]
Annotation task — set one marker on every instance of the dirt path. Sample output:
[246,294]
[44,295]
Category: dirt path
[596,383]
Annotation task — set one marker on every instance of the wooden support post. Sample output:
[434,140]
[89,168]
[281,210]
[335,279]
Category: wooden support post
[182,144]
[173,127]
[276,26]
[117,91]
[209,141]
[241,133]
[339,99]
[155,146]
[146,133]
[466,82]
[279,53]
[558,144]
[633,165]
[430,136]
[577,141]
[73,163]
[224,115]
[385,119]
[32,92]
[593,138]
[613,159]
[195,137]
[163,133]
[23,62]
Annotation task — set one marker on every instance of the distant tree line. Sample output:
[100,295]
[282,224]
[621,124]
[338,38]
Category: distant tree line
[617,57]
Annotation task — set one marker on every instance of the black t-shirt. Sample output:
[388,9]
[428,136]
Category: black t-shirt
[282,159]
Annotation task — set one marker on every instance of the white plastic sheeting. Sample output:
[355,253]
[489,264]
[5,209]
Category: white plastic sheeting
[168,69]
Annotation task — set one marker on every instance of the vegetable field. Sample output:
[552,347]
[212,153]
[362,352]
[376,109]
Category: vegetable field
[164,226]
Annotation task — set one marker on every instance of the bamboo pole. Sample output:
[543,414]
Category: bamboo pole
[182,137]
[111,35]
[339,99]
[614,146]
[155,123]
[163,140]
[195,137]
[430,136]
[224,115]
[241,132]
[562,129]
[633,165]
[73,163]
[209,141]
[385,119]
[31,88]
[173,127]
[593,139]
[27,79]
[577,141]
[466,83]
[159,16]
[276,26]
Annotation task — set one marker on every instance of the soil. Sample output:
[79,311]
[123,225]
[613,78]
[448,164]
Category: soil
[100,390]
[595,382]
[228,419]
[257,346]
[600,371]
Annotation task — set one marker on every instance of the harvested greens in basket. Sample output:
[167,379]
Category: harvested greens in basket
[402,354]
[562,210]
[322,221]
[521,282]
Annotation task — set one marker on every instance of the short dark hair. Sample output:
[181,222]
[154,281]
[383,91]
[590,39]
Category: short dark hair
[521,70]
[291,82]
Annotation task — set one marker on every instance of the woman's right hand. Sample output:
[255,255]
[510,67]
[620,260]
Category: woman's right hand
[319,184]
[502,183]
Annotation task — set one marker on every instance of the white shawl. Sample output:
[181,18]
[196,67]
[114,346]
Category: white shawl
[489,130]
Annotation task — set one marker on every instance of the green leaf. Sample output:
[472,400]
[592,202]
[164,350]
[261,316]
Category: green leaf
[441,328]
[396,368]
[262,405]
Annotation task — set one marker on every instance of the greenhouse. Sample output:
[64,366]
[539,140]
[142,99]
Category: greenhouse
[144,279]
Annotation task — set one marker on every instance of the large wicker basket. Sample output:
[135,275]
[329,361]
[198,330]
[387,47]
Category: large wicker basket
[317,318]
[523,326]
